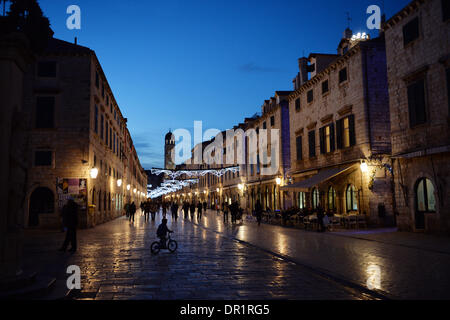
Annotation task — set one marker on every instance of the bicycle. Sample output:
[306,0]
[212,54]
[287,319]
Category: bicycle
[170,245]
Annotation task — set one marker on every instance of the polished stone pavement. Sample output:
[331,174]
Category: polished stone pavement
[217,260]
[116,263]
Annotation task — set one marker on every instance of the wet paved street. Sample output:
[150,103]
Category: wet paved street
[116,263]
[215,260]
[411,266]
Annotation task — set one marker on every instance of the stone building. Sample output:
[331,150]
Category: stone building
[339,125]
[262,183]
[80,146]
[418,60]
[15,56]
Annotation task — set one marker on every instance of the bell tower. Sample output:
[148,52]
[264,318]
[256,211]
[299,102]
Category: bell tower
[169,151]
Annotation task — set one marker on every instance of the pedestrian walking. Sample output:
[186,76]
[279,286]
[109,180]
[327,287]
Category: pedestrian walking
[70,221]
[174,210]
[258,212]
[132,211]
[205,206]
[199,211]
[127,209]
[225,212]
[186,209]
[234,211]
[192,210]
[146,210]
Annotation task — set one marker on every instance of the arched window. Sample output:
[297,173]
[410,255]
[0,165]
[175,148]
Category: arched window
[315,198]
[352,204]
[331,198]
[425,200]
[301,200]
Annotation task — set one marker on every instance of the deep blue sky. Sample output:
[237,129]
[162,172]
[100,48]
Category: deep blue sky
[170,62]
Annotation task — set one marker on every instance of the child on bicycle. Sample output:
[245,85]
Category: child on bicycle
[161,232]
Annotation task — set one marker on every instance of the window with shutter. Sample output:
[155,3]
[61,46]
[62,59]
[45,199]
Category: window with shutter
[332,145]
[272,121]
[416,103]
[96,119]
[43,158]
[310,96]
[411,31]
[351,130]
[45,112]
[102,124]
[323,148]
[312,143]
[343,75]
[339,133]
[47,69]
[325,87]
[299,147]
[297,104]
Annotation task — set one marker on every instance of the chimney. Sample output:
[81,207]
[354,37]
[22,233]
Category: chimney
[303,67]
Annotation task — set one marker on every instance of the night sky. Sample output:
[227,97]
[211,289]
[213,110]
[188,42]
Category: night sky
[172,62]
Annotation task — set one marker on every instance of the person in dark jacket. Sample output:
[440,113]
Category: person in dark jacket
[258,212]
[205,206]
[70,221]
[234,208]
[174,210]
[192,209]
[199,211]
[132,211]
[186,209]
[162,231]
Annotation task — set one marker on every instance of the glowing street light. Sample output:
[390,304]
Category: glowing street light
[278,181]
[128,187]
[240,186]
[363,166]
[119,182]
[93,173]
[134,190]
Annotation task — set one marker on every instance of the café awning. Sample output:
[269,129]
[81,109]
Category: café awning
[316,179]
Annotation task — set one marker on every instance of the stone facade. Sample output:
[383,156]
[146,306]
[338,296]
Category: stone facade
[417,47]
[76,128]
[338,119]
[15,55]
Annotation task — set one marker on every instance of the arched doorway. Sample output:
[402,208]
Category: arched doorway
[42,201]
[425,201]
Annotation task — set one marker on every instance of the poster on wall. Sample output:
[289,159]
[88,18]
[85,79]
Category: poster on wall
[72,188]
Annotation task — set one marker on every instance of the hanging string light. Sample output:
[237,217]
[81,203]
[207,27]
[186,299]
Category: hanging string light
[174,174]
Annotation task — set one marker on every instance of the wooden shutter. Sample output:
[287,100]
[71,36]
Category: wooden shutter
[339,129]
[323,148]
[299,147]
[416,103]
[351,124]
[312,144]
[332,145]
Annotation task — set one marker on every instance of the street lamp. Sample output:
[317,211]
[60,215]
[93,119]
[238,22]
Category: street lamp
[93,173]
[218,190]
[119,182]
[363,166]
[240,186]
[278,181]
[134,190]
[128,187]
